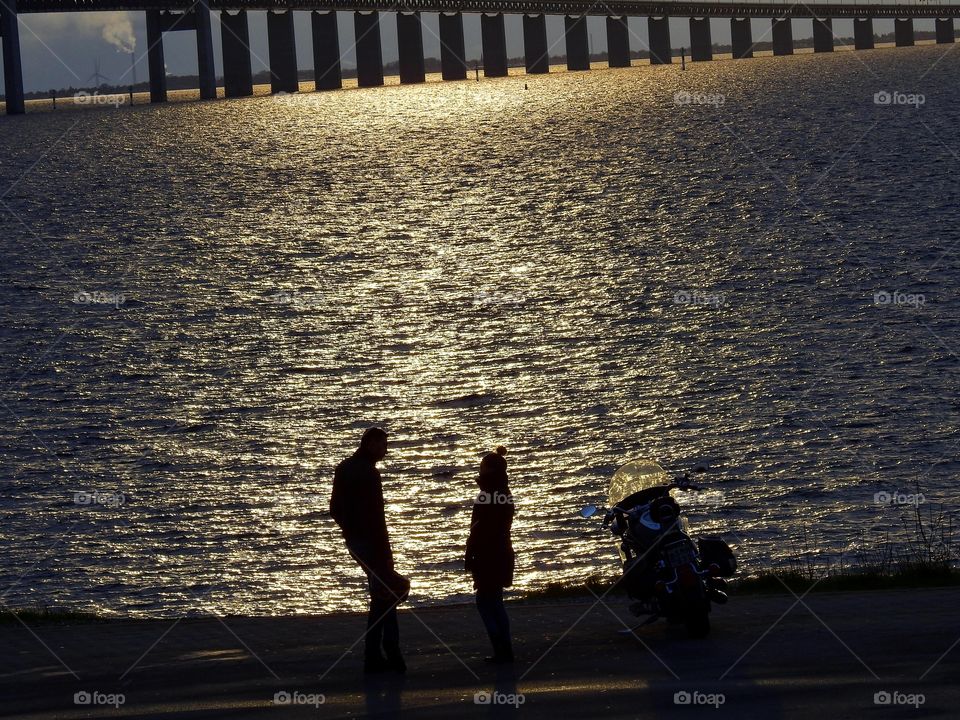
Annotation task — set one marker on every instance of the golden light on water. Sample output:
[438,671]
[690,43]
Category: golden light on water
[469,264]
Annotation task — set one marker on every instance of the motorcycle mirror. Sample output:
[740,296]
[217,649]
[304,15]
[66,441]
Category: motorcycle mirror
[589,511]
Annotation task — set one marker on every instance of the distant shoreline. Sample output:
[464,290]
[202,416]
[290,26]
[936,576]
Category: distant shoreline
[185,87]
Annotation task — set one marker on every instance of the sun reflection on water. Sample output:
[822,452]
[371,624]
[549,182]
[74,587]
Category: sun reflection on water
[468,264]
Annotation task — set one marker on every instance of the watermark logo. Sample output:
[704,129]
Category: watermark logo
[292,298]
[698,297]
[684,697]
[285,298]
[885,697]
[484,299]
[96,98]
[885,297]
[98,297]
[884,97]
[688,98]
[898,498]
[498,698]
[494,498]
[86,697]
[96,497]
[296,697]
[707,497]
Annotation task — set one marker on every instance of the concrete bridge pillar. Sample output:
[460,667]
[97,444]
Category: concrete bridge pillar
[453,65]
[822,35]
[903,31]
[741,37]
[578,42]
[155,63]
[282,52]
[235,44]
[782,31]
[410,47]
[618,42]
[701,46]
[12,67]
[536,56]
[205,67]
[326,50]
[945,33]
[493,39]
[863,33]
[366,32]
[196,18]
[658,30]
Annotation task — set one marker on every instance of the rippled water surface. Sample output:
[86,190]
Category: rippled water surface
[582,270]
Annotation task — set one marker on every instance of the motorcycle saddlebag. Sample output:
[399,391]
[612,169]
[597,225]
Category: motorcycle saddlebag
[714,550]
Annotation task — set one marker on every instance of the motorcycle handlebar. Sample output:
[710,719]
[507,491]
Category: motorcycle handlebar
[680,483]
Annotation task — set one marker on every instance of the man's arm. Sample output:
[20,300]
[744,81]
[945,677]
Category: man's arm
[341,502]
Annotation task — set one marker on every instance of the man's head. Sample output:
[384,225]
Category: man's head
[374,443]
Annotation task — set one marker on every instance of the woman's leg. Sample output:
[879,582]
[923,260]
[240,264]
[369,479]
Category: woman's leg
[505,649]
[495,620]
[486,606]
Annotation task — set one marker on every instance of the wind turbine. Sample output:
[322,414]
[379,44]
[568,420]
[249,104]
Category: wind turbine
[97,76]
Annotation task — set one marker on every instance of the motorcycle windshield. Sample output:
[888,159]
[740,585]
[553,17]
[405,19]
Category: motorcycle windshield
[635,476]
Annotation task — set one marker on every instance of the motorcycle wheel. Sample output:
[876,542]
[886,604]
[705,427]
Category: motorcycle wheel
[698,623]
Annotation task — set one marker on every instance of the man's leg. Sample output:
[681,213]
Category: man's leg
[374,638]
[391,640]
[391,632]
[383,631]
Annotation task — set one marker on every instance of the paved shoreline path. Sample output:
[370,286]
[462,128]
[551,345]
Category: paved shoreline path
[779,656]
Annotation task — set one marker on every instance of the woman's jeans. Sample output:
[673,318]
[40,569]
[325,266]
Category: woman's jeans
[494,616]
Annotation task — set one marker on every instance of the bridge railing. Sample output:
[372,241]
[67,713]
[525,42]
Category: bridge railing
[680,8]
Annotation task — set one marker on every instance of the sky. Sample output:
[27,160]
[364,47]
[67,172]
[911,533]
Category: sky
[61,50]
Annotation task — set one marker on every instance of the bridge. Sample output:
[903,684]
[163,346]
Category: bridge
[196,16]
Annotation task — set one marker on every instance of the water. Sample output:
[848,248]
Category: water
[471,264]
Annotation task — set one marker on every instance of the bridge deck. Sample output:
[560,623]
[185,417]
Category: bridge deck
[552,7]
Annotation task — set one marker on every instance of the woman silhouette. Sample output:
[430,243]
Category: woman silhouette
[489,557]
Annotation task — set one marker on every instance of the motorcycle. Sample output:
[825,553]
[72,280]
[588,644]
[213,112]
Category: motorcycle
[664,571]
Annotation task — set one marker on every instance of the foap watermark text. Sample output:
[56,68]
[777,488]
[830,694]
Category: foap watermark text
[896,297]
[898,498]
[295,697]
[98,497]
[895,697]
[695,697]
[95,697]
[698,297]
[688,98]
[895,97]
[485,697]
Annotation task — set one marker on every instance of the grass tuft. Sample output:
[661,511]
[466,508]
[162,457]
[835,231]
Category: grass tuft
[46,616]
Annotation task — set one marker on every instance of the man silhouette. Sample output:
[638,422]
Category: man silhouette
[357,505]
